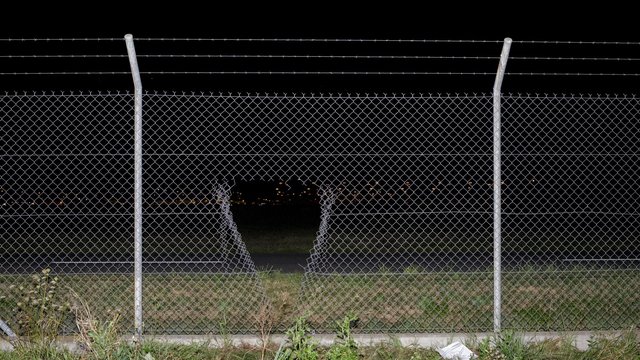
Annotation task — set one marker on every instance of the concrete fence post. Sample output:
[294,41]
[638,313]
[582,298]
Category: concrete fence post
[497,188]
[137,83]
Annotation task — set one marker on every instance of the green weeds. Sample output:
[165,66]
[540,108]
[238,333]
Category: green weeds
[40,313]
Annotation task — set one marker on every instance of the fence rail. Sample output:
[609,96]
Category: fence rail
[439,212]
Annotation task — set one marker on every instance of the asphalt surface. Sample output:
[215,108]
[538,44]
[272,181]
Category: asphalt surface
[291,263]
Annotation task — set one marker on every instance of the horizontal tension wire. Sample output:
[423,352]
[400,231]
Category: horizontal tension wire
[298,56]
[391,73]
[321,40]
[59,39]
[331,40]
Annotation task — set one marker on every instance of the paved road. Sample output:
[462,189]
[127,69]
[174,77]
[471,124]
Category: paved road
[453,262]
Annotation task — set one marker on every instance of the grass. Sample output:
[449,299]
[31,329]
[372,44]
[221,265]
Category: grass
[533,300]
[507,347]
[296,240]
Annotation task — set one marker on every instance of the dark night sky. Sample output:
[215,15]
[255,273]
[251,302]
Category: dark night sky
[532,24]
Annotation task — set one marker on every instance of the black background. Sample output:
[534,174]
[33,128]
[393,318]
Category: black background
[490,21]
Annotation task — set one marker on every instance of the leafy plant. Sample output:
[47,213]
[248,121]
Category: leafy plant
[223,327]
[623,346]
[40,312]
[299,344]
[507,346]
[487,351]
[512,347]
[345,347]
[100,339]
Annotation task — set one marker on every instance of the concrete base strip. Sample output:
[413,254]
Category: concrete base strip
[579,339]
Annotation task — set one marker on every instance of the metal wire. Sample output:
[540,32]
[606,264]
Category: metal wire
[427,241]
[405,184]
[322,40]
[251,56]
[63,56]
[314,56]
[550,58]
[59,39]
[356,73]
[250,73]
[258,40]
[66,73]
[571,74]
[570,42]
[315,73]
[286,56]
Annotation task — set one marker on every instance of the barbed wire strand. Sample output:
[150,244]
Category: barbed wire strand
[63,56]
[322,40]
[234,56]
[314,73]
[246,73]
[551,58]
[549,42]
[320,56]
[58,39]
[574,42]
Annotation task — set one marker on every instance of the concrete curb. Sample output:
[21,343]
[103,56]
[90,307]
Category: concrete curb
[578,338]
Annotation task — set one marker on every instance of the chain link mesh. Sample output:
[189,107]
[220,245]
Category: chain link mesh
[405,238]
[406,192]
[571,250]
[67,195]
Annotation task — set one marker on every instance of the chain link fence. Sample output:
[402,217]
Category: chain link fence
[570,221]
[66,197]
[413,235]
[405,239]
